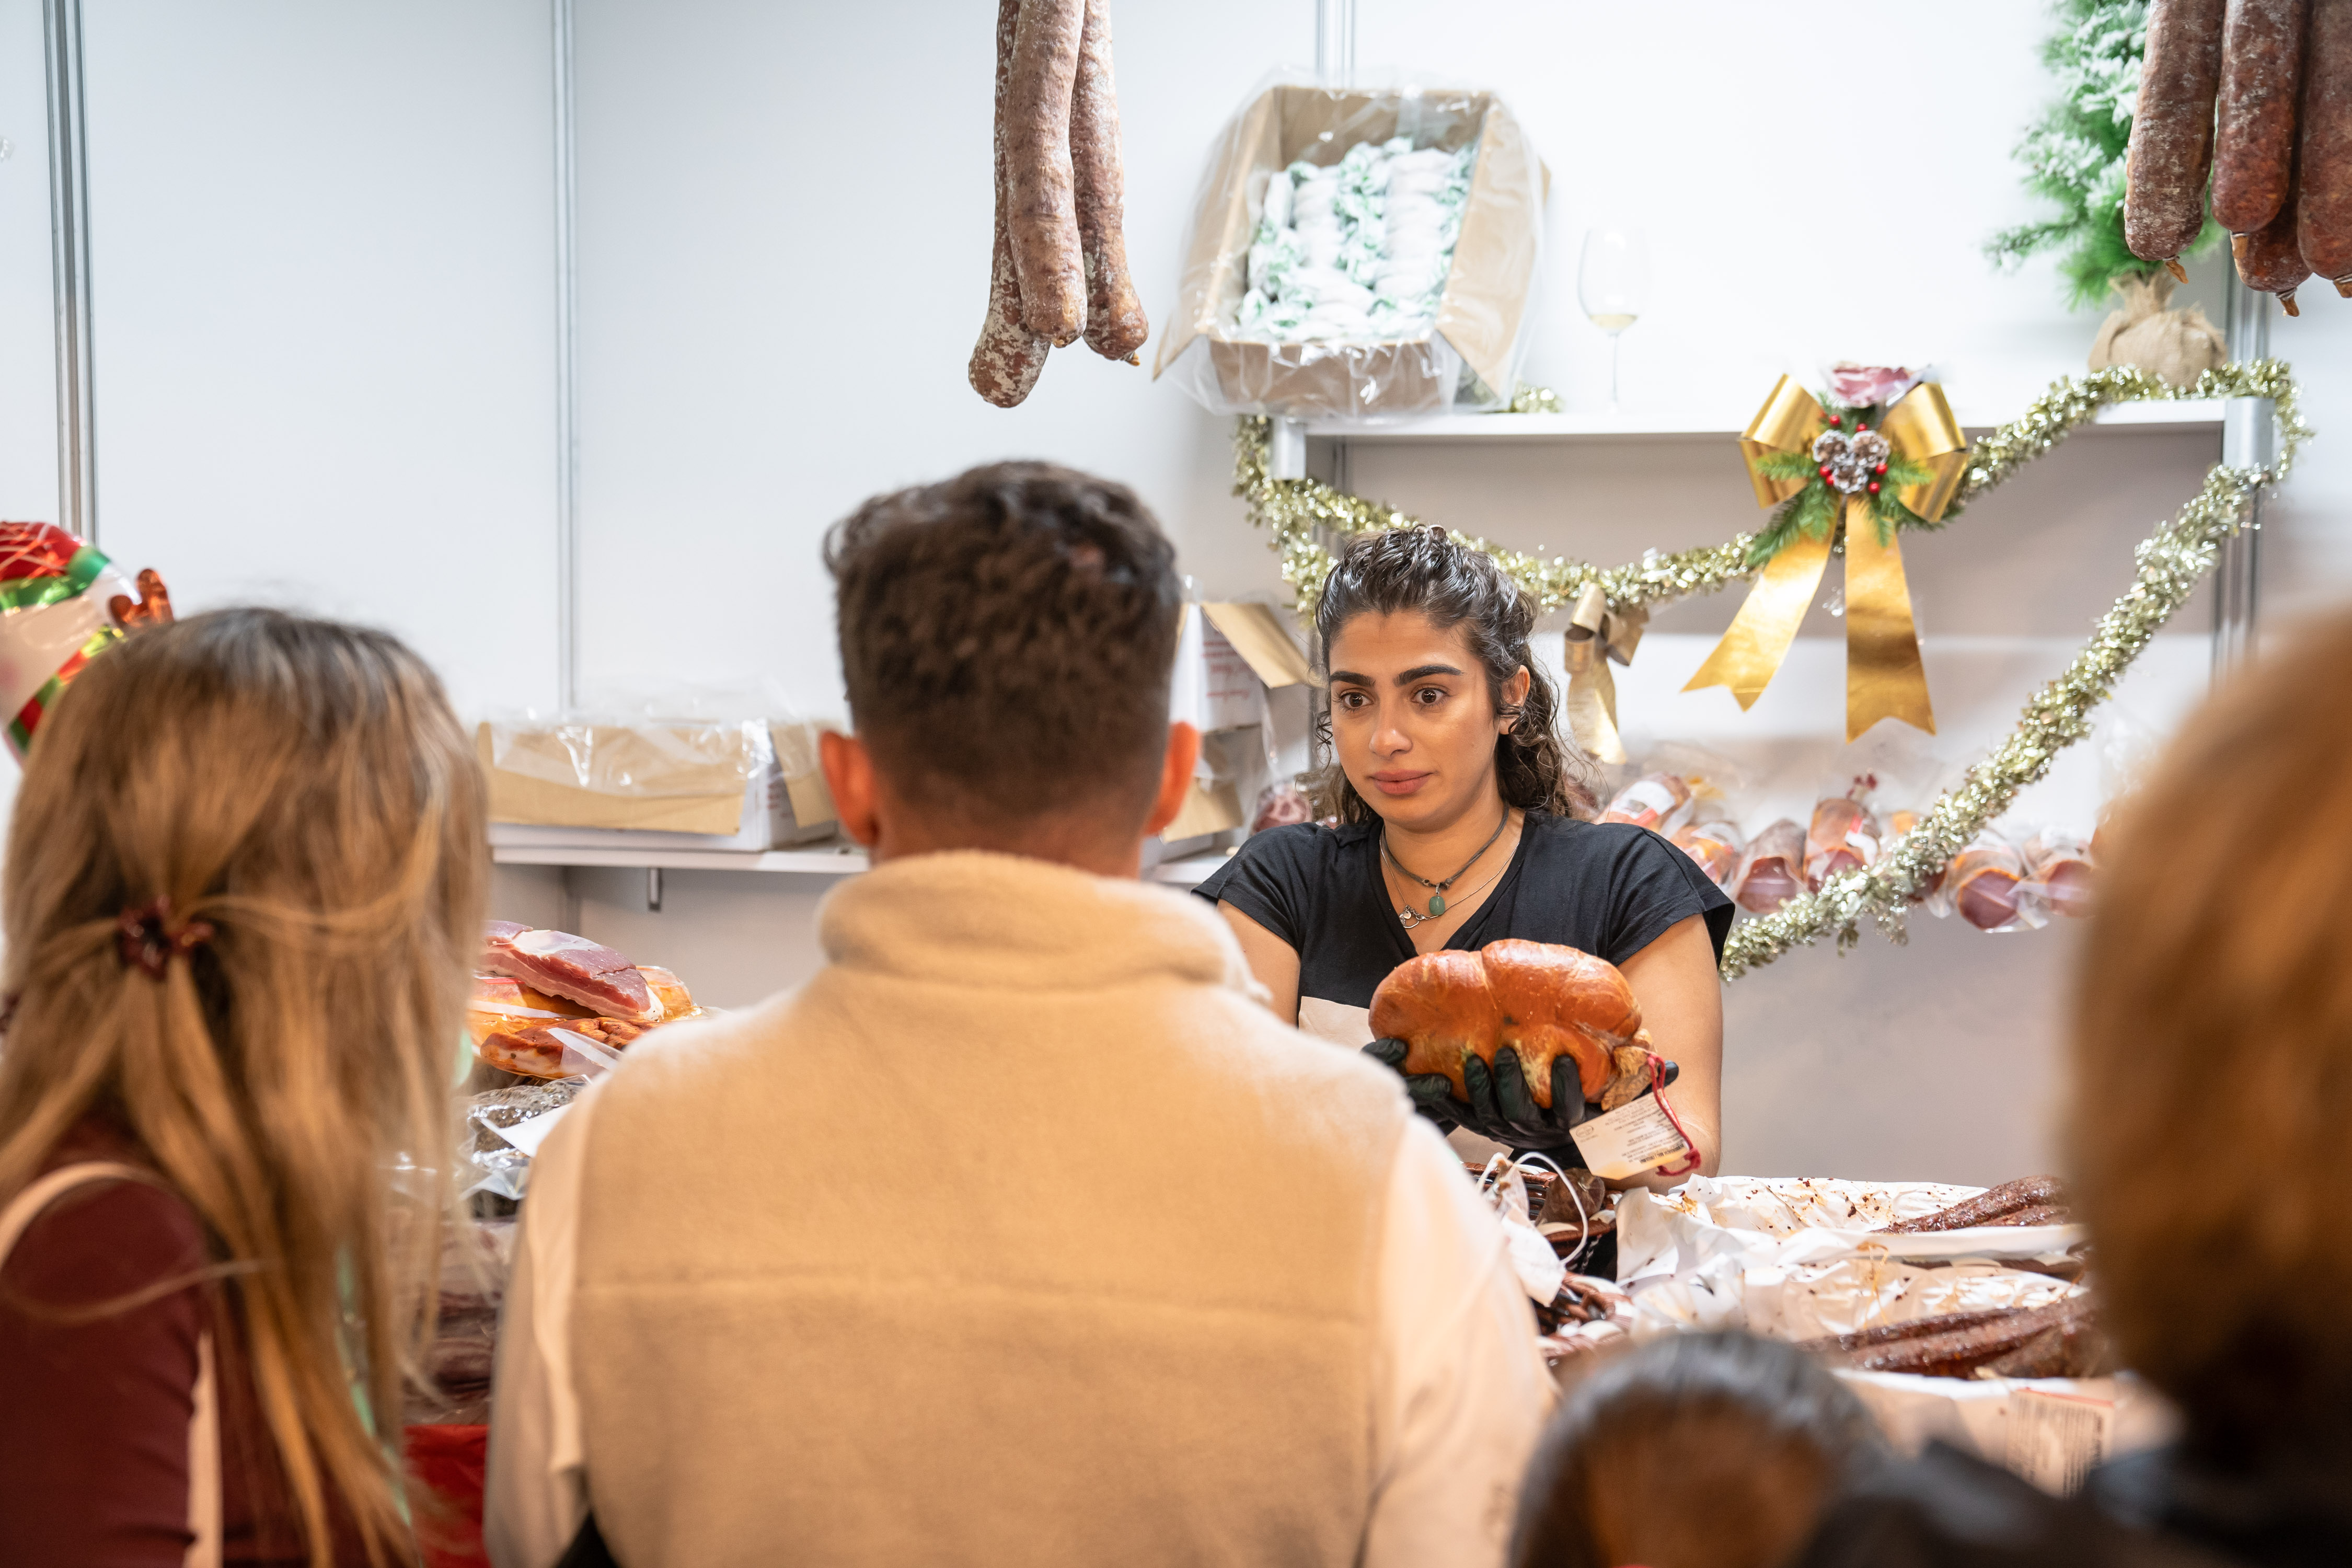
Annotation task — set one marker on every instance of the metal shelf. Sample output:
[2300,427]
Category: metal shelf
[827,861]
[2186,415]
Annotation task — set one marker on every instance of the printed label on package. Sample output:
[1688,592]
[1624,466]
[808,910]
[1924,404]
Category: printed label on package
[1629,1140]
[2055,1439]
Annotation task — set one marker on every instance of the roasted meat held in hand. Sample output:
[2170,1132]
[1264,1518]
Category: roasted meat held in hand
[1540,1001]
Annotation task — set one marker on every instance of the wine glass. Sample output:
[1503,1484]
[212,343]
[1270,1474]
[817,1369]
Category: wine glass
[1612,280]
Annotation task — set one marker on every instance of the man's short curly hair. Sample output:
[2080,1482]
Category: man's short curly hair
[1007,637]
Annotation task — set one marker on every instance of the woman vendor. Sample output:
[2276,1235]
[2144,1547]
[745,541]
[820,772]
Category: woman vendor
[1463,820]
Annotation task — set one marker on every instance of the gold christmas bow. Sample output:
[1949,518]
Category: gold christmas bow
[1883,677]
[1597,634]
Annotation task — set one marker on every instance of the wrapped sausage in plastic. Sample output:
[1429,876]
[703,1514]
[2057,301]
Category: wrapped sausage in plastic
[1773,872]
[1845,837]
[1656,801]
[1716,846]
[2059,874]
[1982,882]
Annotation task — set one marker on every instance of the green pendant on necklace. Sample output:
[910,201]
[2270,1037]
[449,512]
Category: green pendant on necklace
[1436,904]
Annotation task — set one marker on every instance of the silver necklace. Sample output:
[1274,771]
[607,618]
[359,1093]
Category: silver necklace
[1406,918]
[1437,889]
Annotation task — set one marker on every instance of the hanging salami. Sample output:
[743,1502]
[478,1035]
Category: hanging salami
[1041,186]
[2323,205]
[1116,325]
[1006,360]
[2172,130]
[2253,136]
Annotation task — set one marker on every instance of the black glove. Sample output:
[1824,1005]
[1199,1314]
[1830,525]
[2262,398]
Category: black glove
[1501,1106]
[1431,1092]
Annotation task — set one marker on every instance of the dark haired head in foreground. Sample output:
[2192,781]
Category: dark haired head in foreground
[1007,638]
[1695,1451]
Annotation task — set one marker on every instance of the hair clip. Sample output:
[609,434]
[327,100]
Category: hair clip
[146,937]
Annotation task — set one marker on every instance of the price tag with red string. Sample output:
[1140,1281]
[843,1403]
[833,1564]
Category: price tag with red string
[1646,1135]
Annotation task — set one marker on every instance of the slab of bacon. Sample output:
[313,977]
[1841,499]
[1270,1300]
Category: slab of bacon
[573,967]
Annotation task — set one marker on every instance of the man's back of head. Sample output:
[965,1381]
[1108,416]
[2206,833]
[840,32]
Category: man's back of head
[1007,637]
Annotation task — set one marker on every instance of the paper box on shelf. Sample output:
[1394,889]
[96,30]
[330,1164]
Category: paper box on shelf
[1227,655]
[1483,311]
[653,785]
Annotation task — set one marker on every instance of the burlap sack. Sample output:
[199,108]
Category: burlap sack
[2179,345]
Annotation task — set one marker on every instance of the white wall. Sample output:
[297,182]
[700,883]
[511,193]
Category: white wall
[323,279]
[323,257]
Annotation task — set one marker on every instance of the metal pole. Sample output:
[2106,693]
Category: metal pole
[1335,42]
[567,387]
[69,269]
[2249,434]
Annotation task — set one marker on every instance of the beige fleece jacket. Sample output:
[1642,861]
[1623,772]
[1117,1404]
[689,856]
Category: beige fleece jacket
[1020,1234]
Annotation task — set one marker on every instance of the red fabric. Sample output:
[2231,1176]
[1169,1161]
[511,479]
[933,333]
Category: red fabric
[94,1413]
[446,1469]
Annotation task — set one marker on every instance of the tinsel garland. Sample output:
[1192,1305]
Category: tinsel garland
[2171,564]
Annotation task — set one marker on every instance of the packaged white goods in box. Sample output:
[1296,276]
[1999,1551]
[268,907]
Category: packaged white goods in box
[1359,254]
[649,784]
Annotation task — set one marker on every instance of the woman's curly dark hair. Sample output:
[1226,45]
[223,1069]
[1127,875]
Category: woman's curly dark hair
[1424,571]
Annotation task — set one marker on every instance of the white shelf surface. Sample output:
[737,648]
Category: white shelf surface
[828,861]
[2191,415]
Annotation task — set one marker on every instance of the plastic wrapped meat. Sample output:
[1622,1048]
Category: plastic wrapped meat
[1773,872]
[1717,846]
[518,1030]
[1655,801]
[1982,882]
[2060,874]
[572,967]
[1845,837]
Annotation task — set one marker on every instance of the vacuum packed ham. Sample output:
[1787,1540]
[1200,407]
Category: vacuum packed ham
[1717,846]
[575,969]
[2061,873]
[2172,130]
[1655,801]
[1774,871]
[1982,879]
[1845,837]
[1541,1000]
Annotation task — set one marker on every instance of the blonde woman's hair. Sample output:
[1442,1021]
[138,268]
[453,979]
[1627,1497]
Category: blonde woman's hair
[303,789]
[2213,1062]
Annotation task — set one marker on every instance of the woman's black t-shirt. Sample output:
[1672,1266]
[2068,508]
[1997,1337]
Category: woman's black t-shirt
[1607,889]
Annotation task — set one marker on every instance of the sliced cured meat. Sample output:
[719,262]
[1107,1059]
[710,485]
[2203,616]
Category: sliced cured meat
[1716,846]
[1983,878]
[579,970]
[677,1004]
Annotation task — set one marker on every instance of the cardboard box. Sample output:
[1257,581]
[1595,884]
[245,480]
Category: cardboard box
[1480,320]
[750,785]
